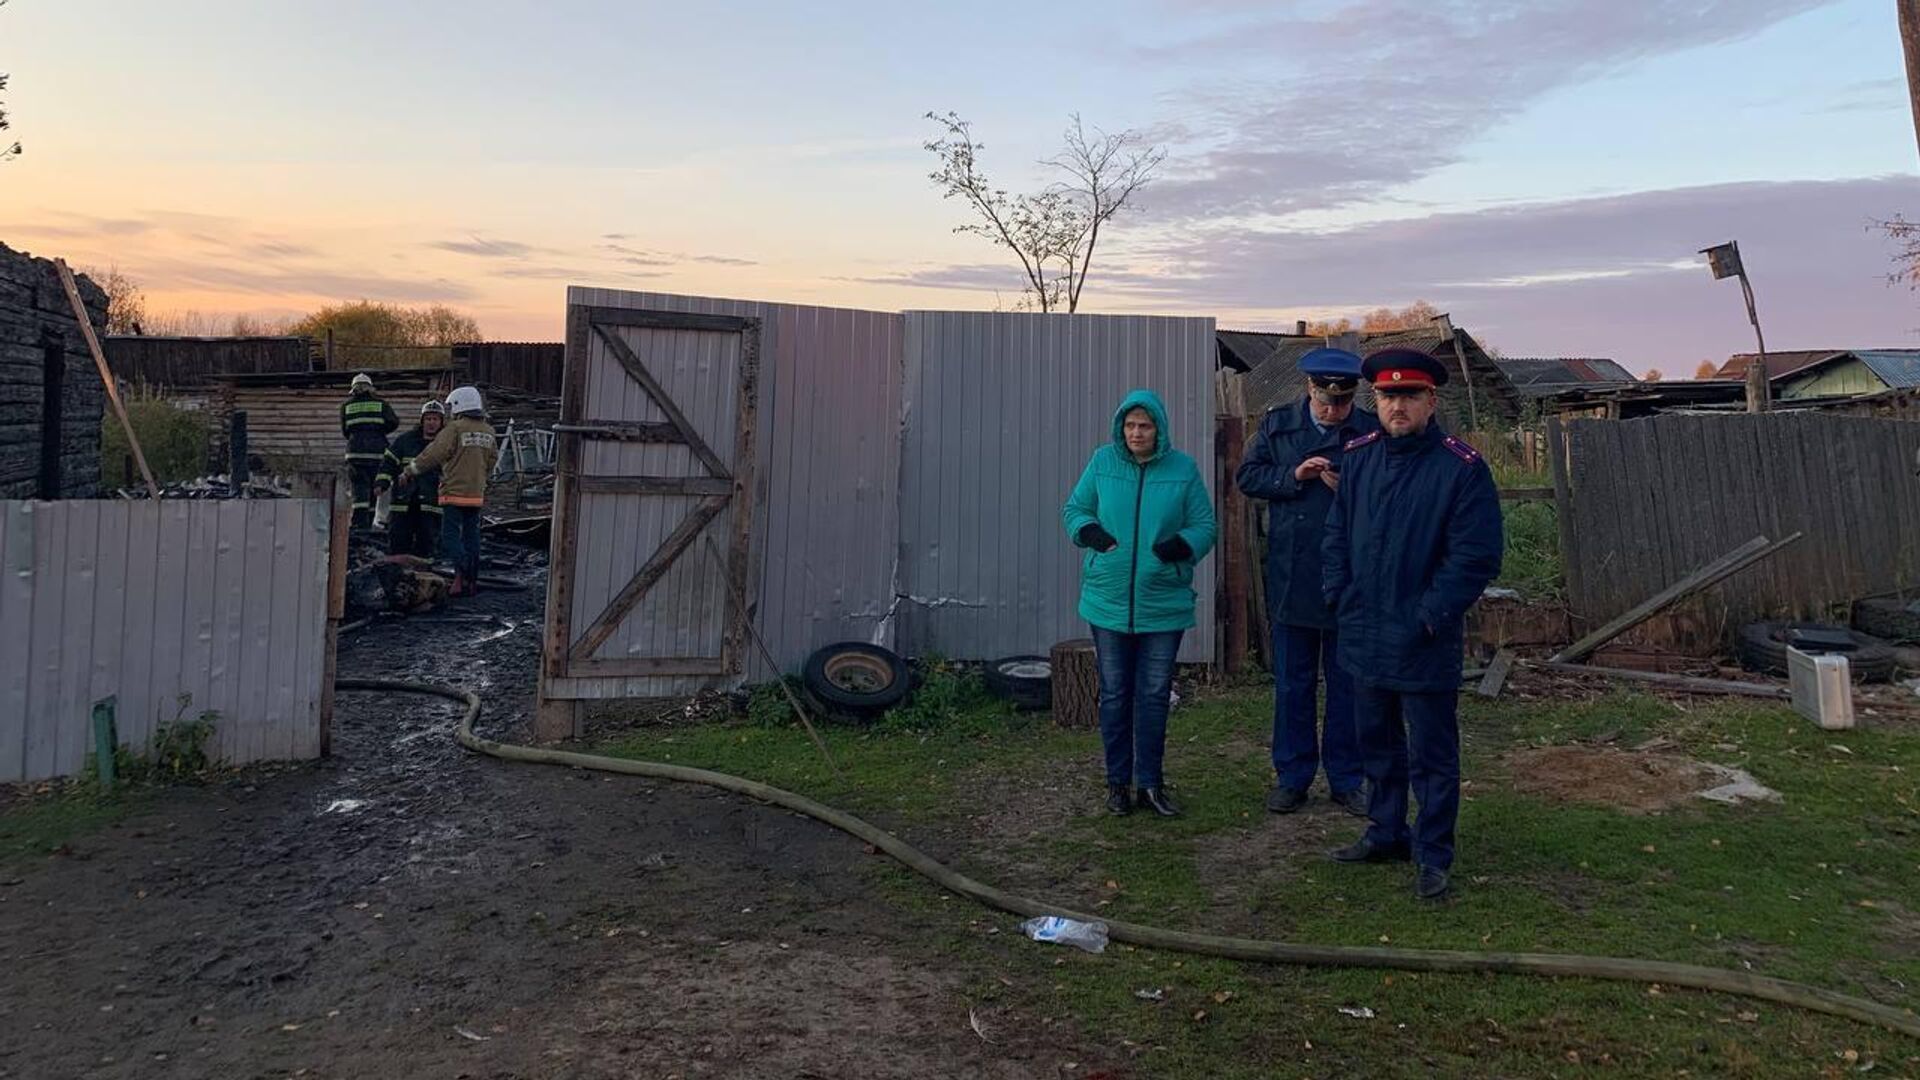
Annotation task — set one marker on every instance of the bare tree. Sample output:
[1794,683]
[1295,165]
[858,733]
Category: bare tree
[7,151]
[1906,260]
[1707,370]
[126,303]
[1653,375]
[1055,231]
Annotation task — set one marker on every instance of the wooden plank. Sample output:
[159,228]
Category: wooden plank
[647,667]
[663,320]
[739,555]
[1496,674]
[657,485]
[637,371]
[1563,508]
[1672,682]
[106,376]
[1738,559]
[1230,444]
[340,518]
[171,568]
[563,546]
[648,575]
[638,431]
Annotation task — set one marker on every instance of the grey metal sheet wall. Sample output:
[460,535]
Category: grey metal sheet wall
[1002,412]
[826,514]
[221,601]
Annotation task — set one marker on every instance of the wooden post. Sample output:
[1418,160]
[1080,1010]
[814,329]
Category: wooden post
[1230,442]
[329,352]
[1076,684]
[106,375]
[106,739]
[1910,43]
[1473,405]
[341,500]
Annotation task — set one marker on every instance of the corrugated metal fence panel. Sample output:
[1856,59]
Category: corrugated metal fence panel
[828,468]
[1002,412]
[173,608]
[1656,498]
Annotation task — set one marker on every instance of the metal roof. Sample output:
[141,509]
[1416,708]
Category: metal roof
[1275,378]
[1779,364]
[1535,374]
[1898,368]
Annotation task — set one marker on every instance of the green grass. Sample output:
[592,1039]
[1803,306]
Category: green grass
[1531,562]
[36,825]
[1822,887]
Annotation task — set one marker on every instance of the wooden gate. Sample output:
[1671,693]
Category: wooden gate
[654,476]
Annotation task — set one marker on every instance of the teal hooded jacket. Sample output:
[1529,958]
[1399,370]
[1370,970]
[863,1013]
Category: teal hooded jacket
[1128,589]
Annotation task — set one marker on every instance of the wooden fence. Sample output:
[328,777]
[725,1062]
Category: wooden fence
[224,605]
[1644,502]
[179,363]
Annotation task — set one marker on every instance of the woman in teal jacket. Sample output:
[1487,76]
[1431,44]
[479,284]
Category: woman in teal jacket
[1142,513]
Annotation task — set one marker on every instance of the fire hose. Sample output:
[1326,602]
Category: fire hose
[1551,965]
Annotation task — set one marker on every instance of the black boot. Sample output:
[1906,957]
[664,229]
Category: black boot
[1156,799]
[1365,850]
[1432,884]
[1285,800]
[1119,799]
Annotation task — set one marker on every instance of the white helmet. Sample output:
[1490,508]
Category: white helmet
[362,380]
[433,407]
[464,399]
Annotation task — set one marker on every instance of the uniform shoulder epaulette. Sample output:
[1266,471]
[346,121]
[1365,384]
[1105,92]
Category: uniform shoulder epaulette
[1462,449]
[1355,444]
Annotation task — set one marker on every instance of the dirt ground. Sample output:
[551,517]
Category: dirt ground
[1637,783]
[405,909]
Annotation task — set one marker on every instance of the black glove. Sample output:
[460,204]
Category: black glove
[1097,538]
[1172,550]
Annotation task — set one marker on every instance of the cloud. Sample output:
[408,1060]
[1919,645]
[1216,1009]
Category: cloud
[488,249]
[69,226]
[254,279]
[1615,276]
[640,257]
[1359,111]
[721,260]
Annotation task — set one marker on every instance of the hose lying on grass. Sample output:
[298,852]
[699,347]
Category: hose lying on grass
[1557,965]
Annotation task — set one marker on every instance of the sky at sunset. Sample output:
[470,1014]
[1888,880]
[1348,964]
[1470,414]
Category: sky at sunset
[1542,169]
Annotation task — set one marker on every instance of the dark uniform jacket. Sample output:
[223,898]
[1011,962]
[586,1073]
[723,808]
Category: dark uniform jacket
[406,446]
[366,421]
[1412,540]
[1296,512]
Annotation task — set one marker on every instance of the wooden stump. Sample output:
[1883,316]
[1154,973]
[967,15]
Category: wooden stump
[1076,684]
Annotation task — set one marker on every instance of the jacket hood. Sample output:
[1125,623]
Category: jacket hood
[1150,401]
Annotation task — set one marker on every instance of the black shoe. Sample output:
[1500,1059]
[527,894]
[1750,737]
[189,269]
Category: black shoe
[1365,850]
[1433,883]
[1285,800]
[1119,799]
[1353,802]
[1155,799]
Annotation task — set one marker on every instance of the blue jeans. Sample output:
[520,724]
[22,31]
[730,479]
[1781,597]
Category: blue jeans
[1300,654]
[1411,739]
[460,539]
[1136,680]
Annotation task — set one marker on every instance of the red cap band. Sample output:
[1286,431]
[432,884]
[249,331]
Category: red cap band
[1403,377]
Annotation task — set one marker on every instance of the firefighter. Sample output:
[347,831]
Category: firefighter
[366,421]
[413,522]
[463,455]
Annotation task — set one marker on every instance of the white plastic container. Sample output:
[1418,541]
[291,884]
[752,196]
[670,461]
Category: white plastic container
[1822,688]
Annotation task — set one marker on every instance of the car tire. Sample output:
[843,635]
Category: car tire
[1026,681]
[857,681]
[1763,648]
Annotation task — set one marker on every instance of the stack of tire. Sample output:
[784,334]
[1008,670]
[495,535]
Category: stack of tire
[1894,620]
[1763,648]
[855,682]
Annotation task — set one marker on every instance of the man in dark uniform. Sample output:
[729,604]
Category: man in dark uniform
[1413,538]
[414,525]
[1294,464]
[366,421]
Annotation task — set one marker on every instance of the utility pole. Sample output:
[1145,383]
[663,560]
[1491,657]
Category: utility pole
[1910,41]
[1724,261]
